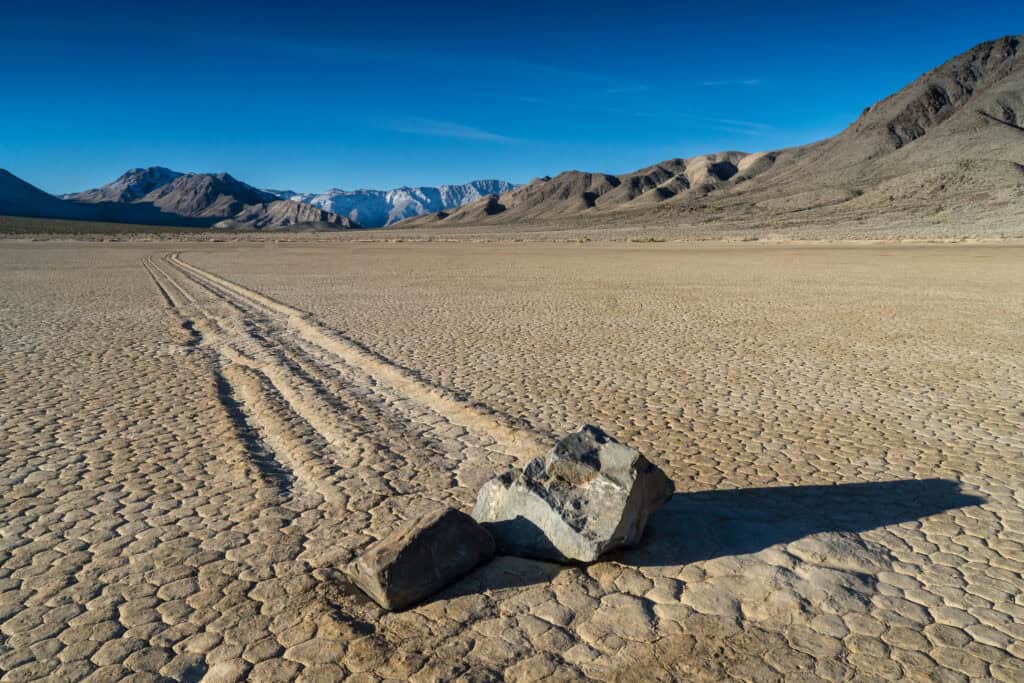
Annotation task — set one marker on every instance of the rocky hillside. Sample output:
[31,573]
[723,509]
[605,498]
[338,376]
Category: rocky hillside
[206,195]
[577,192]
[285,214]
[948,147]
[132,185]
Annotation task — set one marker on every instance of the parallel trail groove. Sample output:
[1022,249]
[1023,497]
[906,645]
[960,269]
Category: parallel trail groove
[363,434]
[519,439]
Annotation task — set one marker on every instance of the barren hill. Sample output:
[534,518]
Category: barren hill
[159,196]
[948,147]
[206,195]
[285,214]
[130,186]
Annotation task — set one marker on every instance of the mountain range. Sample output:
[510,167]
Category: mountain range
[947,148]
[159,196]
[374,208]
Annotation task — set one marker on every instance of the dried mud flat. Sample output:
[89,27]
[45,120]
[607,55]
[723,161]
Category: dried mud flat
[194,440]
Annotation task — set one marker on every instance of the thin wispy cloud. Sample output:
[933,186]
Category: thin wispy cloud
[626,90]
[443,129]
[737,123]
[736,81]
[738,127]
[745,132]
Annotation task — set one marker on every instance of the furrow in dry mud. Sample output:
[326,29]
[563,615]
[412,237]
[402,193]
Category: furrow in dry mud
[279,440]
[347,402]
[377,446]
[237,398]
[518,439]
[286,432]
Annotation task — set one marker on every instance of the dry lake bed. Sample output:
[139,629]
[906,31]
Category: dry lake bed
[195,437]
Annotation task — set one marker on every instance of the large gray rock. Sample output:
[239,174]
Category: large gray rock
[417,561]
[587,495]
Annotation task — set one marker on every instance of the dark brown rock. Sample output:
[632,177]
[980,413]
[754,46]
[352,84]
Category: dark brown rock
[417,561]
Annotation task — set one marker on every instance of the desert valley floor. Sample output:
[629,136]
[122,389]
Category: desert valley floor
[196,436]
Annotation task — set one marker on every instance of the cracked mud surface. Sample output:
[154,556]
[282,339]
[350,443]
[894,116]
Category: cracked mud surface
[193,444]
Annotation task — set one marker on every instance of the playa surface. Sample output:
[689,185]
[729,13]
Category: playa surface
[197,436]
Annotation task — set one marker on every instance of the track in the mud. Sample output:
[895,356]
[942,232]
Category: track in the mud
[319,414]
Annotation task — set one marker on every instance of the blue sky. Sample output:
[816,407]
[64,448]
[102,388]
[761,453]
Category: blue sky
[305,97]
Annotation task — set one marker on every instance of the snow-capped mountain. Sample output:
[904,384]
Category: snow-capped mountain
[374,208]
[288,194]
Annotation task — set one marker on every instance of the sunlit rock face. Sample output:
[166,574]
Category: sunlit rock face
[587,495]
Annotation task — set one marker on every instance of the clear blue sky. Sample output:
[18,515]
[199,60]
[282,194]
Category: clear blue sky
[379,94]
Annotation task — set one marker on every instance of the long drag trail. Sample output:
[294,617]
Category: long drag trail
[324,415]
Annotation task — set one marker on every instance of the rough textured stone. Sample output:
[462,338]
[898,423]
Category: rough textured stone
[587,495]
[417,561]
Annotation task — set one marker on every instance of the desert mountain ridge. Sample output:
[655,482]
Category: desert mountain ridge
[946,150]
[365,208]
[159,196]
[134,184]
[949,146]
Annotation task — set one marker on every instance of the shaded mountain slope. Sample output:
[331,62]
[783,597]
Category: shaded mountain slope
[18,198]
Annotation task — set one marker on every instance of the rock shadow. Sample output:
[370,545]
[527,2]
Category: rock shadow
[503,572]
[692,527]
[534,545]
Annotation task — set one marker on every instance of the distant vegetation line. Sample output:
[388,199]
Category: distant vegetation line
[20,225]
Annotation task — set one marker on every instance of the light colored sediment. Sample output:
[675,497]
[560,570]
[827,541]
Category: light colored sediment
[192,445]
